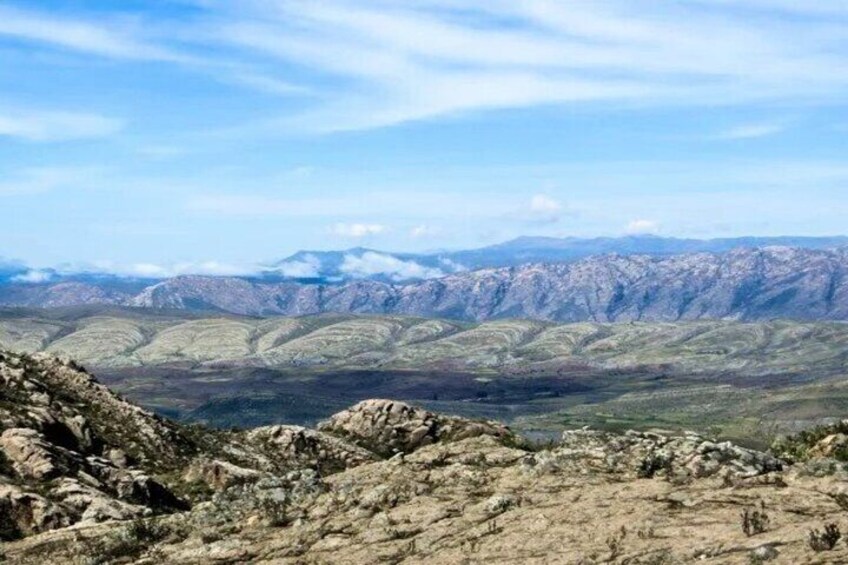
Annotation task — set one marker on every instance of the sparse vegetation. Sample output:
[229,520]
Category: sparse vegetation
[653,464]
[797,447]
[825,540]
[754,521]
[276,512]
[129,542]
[615,543]
[448,497]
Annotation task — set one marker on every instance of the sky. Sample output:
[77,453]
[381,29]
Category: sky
[175,136]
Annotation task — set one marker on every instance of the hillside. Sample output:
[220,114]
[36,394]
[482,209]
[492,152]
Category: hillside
[86,475]
[737,380]
[743,284]
[135,338]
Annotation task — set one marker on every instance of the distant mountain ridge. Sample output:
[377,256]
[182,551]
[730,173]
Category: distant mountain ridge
[743,284]
[373,264]
[362,263]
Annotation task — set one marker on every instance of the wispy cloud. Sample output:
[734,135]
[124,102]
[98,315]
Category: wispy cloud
[44,179]
[419,60]
[41,126]
[111,40]
[751,131]
[377,64]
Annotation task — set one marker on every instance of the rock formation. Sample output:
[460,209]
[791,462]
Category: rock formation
[86,477]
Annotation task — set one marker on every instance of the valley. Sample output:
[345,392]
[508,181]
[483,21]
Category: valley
[744,381]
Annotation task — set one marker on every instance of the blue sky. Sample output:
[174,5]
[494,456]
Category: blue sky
[170,136]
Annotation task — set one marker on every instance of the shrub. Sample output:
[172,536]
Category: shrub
[754,521]
[653,464]
[797,447]
[826,540]
[276,512]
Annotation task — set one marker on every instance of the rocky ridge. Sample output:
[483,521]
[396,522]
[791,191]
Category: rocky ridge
[80,482]
[742,284]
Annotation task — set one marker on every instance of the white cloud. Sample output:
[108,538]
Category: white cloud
[642,227]
[370,264]
[751,131]
[542,209]
[423,231]
[161,271]
[542,204]
[56,126]
[308,267]
[452,266]
[357,230]
[33,276]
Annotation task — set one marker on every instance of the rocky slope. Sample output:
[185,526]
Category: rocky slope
[744,284]
[384,481]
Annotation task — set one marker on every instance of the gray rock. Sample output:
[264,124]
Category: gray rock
[765,553]
[387,427]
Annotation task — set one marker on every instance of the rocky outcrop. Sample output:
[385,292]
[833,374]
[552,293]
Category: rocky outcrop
[588,500]
[73,452]
[33,457]
[646,455]
[385,481]
[388,427]
[299,447]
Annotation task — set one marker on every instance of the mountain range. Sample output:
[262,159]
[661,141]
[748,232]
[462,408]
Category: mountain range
[361,263]
[372,264]
[741,284]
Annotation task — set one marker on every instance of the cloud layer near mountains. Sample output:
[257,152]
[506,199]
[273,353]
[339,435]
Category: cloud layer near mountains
[746,284]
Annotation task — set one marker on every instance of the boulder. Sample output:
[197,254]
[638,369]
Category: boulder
[291,447]
[92,505]
[25,513]
[219,475]
[387,427]
[33,457]
[678,458]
